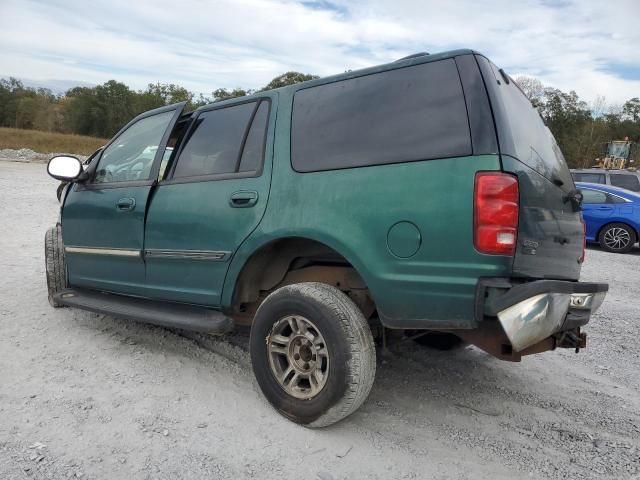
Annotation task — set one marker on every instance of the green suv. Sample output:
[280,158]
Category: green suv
[423,199]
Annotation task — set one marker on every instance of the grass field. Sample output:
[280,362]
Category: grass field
[46,142]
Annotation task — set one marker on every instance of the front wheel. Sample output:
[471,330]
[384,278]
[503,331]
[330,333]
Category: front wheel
[617,238]
[312,353]
[55,267]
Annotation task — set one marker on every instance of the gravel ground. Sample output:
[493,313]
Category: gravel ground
[27,155]
[88,396]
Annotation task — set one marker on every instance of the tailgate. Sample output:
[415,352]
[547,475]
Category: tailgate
[550,231]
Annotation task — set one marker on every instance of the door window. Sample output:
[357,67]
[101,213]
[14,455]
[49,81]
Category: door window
[254,146]
[130,156]
[591,196]
[222,142]
[630,181]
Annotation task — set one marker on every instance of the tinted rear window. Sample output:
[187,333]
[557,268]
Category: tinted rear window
[589,177]
[521,131]
[628,181]
[408,114]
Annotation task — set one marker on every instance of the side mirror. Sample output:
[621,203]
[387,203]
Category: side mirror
[65,168]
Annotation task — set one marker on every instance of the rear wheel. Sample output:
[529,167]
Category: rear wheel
[56,269]
[617,237]
[312,353]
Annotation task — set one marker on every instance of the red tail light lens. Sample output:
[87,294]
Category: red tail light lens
[584,239]
[496,205]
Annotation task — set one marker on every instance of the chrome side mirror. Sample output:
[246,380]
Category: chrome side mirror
[65,168]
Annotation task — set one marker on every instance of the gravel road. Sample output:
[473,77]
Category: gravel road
[88,396]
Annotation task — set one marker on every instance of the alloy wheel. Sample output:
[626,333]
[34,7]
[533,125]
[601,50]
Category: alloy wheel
[617,238]
[298,356]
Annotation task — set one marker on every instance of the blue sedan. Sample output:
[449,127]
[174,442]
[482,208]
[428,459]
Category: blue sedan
[611,215]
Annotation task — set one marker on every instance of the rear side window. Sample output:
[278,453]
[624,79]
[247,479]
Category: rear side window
[403,115]
[217,138]
[630,182]
[589,177]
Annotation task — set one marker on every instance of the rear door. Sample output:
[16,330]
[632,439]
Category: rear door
[550,231]
[213,197]
[596,208]
[103,218]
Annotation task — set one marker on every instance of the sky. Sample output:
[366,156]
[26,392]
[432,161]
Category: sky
[590,46]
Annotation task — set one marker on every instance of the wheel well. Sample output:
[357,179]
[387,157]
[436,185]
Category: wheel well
[295,260]
[635,232]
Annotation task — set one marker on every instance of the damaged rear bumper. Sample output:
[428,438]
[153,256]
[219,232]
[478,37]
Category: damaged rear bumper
[533,311]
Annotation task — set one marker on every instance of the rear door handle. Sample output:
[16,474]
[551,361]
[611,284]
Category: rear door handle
[126,204]
[243,199]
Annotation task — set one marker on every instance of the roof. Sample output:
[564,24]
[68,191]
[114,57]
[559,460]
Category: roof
[433,57]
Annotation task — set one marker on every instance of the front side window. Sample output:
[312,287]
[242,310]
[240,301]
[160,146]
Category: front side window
[402,115]
[222,142]
[130,157]
[628,181]
[595,197]
[591,196]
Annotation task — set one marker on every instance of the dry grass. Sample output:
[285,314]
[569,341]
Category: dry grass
[46,142]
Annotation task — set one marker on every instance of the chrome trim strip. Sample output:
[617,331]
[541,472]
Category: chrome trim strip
[187,254]
[118,252]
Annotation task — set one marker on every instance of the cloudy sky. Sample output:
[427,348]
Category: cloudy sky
[591,46]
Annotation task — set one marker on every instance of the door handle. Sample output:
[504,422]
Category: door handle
[243,199]
[126,204]
[605,208]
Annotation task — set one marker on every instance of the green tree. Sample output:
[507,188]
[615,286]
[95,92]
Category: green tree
[224,94]
[289,78]
[631,109]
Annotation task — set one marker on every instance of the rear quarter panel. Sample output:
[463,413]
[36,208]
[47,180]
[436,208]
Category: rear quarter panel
[352,210]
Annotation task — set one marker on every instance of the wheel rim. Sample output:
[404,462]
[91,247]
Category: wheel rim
[617,238]
[298,356]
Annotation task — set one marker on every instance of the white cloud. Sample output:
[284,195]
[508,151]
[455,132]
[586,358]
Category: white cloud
[206,45]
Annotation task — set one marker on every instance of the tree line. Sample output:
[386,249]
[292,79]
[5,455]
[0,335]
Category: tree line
[581,129]
[100,111]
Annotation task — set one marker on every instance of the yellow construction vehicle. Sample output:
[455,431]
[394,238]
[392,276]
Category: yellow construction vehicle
[618,154]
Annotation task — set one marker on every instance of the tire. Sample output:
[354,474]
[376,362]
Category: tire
[60,189]
[56,269]
[617,238]
[440,341]
[342,356]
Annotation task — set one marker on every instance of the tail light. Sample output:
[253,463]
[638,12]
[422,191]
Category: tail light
[584,239]
[495,209]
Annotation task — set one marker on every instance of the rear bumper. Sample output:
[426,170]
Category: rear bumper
[533,311]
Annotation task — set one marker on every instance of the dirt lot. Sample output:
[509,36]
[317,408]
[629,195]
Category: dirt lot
[82,395]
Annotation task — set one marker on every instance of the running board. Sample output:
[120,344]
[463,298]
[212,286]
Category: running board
[166,314]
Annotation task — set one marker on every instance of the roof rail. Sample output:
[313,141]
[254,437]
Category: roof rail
[413,55]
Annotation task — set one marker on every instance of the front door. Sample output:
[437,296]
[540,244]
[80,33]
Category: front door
[103,217]
[213,197]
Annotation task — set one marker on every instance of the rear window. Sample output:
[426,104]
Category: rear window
[589,177]
[630,182]
[521,131]
[403,115]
